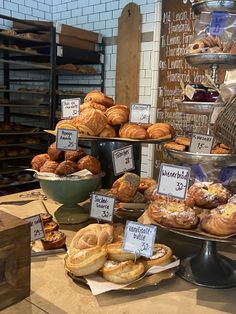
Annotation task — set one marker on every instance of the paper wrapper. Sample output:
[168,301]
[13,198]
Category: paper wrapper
[146,219]
[153,276]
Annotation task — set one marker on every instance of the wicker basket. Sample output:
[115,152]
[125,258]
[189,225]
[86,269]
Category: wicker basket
[225,125]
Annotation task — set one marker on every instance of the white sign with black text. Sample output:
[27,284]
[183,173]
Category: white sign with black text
[139,239]
[123,159]
[67,139]
[70,108]
[102,207]
[173,180]
[140,113]
[36,227]
[201,143]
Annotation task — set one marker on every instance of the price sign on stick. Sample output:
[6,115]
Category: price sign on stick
[70,108]
[67,139]
[102,207]
[140,113]
[139,238]
[123,159]
[201,143]
[36,227]
[173,180]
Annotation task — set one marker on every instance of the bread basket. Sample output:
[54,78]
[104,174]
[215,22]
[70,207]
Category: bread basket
[225,125]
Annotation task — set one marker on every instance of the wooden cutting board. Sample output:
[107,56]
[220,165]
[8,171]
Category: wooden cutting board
[128,55]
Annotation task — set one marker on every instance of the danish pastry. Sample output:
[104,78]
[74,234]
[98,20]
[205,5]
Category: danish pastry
[92,235]
[66,167]
[117,114]
[53,240]
[90,163]
[131,130]
[50,226]
[87,261]
[100,98]
[65,124]
[122,272]
[125,187]
[38,161]
[116,253]
[162,255]
[145,183]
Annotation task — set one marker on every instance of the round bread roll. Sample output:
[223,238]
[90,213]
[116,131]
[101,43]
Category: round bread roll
[99,98]
[75,155]
[131,130]
[117,114]
[55,154]
[49,166]
[66,167]
[122,272]
[116,253]
[92,235]
[87,261]
[38,161]
[90,163]
[162,255]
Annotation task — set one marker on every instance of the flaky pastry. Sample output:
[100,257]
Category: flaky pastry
[162,255]
[117,114]
[116,253]
[125,187]
[134,131]
[99,97]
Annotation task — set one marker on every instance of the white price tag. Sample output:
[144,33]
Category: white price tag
[139,238]
[70,107]
[140,113]
[59,48]
[173,180]
[201,143]
[67,139]
[36,227]
[189,91]
[102,207]
[123,159]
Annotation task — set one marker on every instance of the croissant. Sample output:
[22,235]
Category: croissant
[99,97]
[117,114]
[220,221]
[131,130]
[92,235]
[108,131]
[93,105]
[65,124]
[160,131]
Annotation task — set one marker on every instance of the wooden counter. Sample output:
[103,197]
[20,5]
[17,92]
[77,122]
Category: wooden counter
[52,291]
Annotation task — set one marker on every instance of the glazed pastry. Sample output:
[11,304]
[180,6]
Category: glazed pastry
[66,167]
[46,217]
[188,201]
[125,187]
[221,221]
[108,131]
[49,166]
[100,98]
[117,114]
[65,124]
[38,161]
[92,235]
[50,226]
[175,146]
[90,163]
[160,131]
[131,130]
[87,261]
[145,183]
[94,105]
[116,253]
[122,272]
[162,255]
[55,154]
[209,194]
[173,214]
[54,240]
[90,121]
[75,155]
[183,141]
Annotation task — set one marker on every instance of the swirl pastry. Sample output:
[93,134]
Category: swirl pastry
[173,214]
[108,131]
[38,161]
[118,232]
[125,187]
[87,261]
[221,221]
[115,252]
[55,154]
[122,272]
[160,131]
[162,255]
[66,167]
[90,163]
[49,166]
[131,130]
[117,114]
[99,98]
[208,194]
[92,235]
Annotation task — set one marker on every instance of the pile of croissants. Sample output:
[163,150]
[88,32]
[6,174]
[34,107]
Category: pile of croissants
[98,248]
[100,116]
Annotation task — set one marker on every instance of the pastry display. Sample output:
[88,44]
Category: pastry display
[53,240]
[117,114]
[90,163]
[211,44]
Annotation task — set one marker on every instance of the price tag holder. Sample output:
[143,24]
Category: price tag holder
[173,180]
[189,91]
[218,20]
[201,143]
[36,227]
[102,207]
[140,113]
[123,159]
[67,139]
[139,238]
[70,108]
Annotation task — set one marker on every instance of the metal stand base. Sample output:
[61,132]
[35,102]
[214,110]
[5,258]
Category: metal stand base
[208,268]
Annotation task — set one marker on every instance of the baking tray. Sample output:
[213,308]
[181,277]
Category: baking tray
[196,158]
[194,107]
[209,6]
[202,59]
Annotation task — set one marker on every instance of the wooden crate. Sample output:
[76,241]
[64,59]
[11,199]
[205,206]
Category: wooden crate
[15,255]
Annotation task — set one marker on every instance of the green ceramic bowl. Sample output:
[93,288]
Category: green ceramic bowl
[69,191]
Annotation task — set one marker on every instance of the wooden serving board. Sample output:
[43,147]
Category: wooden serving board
[128,55]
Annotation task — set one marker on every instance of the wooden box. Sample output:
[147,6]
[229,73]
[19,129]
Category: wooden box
[15,255]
